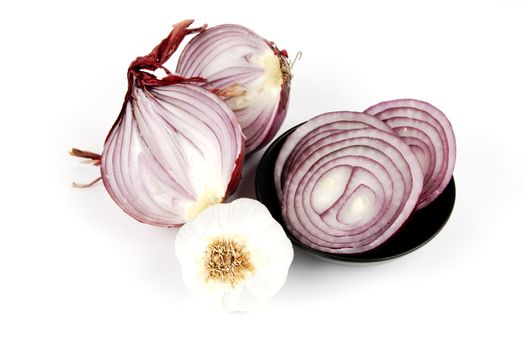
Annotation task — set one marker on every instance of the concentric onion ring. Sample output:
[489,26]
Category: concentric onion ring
[346,191]
[316,128]
[429,133]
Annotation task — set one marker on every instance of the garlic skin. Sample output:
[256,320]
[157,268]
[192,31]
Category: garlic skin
[234,254]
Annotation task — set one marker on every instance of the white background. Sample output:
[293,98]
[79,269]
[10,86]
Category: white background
[77,273]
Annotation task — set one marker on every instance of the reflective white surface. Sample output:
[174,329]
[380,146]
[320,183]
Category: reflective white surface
[78,273]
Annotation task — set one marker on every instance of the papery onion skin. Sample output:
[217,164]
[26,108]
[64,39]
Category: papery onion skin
[385,183]
[248,72]
[170,134]
[428,130]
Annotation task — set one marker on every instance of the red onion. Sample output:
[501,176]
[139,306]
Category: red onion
[318,128]
[348,182]
[249,72]
[429,133]
[175,148]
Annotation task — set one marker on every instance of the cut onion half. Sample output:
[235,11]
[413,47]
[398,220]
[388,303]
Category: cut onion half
[248,72]
[175,148]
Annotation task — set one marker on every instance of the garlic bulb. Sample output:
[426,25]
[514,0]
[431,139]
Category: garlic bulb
[235,254]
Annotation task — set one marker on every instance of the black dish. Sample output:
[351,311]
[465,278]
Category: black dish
[420,228]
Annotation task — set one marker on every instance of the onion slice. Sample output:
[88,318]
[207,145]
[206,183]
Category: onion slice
[429,133]
[318,127]
[248,72]
[346,190]
[175,148]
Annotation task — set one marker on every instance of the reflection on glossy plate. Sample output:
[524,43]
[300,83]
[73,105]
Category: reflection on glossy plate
[419,229]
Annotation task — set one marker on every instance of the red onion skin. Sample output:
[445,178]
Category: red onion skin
[142,79]
[236,174]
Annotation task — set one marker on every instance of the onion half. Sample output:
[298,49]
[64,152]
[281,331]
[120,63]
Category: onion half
[429,133]
[347,182]
[248,72]
[175,148]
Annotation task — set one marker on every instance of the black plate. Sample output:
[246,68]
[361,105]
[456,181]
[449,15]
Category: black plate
[420,228]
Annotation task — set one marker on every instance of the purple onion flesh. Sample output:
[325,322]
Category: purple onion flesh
[248,72]
[175,148]
[347,182]
[429,134]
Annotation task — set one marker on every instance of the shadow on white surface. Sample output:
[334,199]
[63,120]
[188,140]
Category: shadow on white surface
[246,187]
